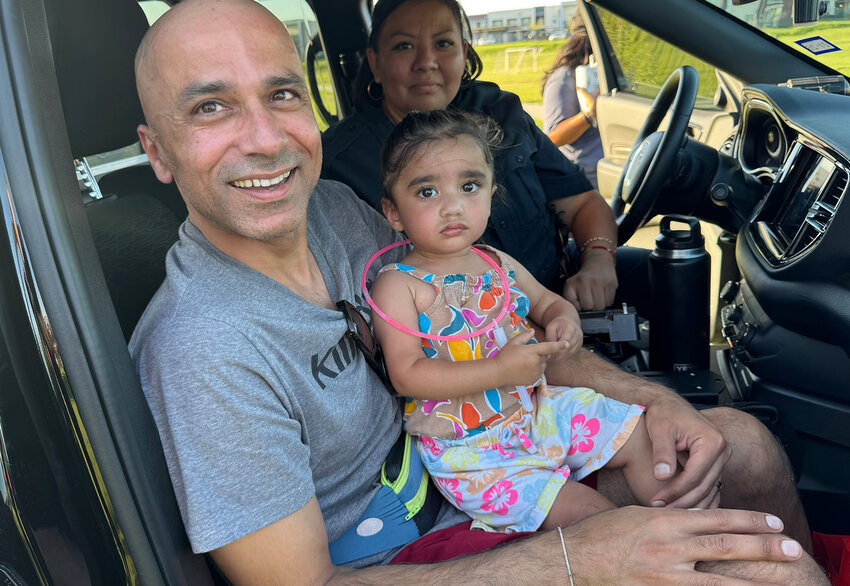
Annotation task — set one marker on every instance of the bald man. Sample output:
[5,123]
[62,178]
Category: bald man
[273,426]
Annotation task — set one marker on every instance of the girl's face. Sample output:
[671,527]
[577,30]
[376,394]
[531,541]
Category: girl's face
[441,199]
[420,58]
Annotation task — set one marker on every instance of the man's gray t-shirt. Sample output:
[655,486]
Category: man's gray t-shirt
[261,400]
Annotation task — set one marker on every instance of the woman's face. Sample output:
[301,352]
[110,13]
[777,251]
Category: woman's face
[420,58]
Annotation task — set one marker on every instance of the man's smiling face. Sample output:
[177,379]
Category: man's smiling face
[230,119]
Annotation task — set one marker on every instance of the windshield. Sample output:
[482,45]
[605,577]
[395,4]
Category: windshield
[826,41]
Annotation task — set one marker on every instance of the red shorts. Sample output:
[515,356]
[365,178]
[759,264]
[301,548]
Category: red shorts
[458,541]
[453,542]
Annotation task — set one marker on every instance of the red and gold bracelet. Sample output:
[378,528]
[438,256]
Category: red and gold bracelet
[613,253]
[601,239]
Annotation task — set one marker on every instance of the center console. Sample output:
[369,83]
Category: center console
[801,204]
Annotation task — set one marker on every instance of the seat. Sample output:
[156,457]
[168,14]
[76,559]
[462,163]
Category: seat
[135,221]
[133,224]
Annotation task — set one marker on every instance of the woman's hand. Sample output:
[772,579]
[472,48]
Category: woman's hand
[587,101]
[593,287]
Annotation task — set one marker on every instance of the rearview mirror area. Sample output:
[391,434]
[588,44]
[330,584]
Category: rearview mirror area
[807,11]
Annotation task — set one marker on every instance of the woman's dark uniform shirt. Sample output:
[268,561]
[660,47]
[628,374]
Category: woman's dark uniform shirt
[529,167]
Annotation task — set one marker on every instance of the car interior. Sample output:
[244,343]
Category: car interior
[88,233]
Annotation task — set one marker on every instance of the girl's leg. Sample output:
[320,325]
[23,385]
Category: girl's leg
[635,460]
[574,502]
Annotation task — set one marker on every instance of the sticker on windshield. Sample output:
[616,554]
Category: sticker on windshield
[817,45]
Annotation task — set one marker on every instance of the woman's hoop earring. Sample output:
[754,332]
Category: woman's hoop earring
[466,78]
[375,91]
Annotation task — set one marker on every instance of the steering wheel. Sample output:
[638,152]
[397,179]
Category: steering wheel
[653,157]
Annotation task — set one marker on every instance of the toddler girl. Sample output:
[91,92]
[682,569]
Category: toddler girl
[501,444]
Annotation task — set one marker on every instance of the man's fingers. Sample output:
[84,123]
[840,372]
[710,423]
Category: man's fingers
[727,546]
[690,493]
[694,482]
[716,521]
[705,579]
[663,459]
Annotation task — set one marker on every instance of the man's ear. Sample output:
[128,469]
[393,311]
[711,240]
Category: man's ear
[391,212]
[149,143]
[372,58]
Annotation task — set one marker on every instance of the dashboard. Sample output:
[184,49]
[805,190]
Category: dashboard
[787,319]
[808,178]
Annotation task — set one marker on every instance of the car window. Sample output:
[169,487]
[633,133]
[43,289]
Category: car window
[825,41]
[646,61]
[516,56]
[517,43]
[301,23]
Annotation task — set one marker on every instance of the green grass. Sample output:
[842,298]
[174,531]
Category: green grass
[521,77]
[836,32]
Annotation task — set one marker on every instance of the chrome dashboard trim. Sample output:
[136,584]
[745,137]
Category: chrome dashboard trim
[767,242]
[762,105]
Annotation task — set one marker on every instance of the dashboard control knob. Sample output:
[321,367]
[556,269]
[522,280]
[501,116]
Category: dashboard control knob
[729,291]
[746,334]
[720,193]
[733,313]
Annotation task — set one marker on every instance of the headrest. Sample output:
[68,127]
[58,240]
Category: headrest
[94,45]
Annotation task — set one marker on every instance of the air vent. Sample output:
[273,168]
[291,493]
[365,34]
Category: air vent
[819,216]
[832,194]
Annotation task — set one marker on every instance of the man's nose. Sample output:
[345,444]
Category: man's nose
[262,132]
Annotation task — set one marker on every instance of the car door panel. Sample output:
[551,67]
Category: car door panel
[621,116]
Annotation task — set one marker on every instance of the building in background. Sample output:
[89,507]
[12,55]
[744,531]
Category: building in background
[507,26]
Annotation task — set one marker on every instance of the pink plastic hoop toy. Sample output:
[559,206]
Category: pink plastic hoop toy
[407,330]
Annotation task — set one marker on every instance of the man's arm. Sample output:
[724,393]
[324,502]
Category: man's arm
[653,546]
[678,432]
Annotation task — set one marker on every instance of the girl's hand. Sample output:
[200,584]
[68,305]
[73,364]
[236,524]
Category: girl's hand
[565,329]
[522,363]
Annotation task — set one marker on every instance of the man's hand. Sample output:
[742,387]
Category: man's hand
[681,436]
[521,363]
[679,433]
[565,329]
[594,285]
[661,547]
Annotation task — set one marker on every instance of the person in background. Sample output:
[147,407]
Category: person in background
[569,108]
[419,57]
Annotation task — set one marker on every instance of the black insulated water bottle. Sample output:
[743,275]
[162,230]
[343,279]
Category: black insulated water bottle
[679,270]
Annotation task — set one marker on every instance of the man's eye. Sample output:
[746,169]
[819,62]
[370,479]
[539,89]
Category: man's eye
[207,108]
[427,192]
[471,186]
[283,95]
